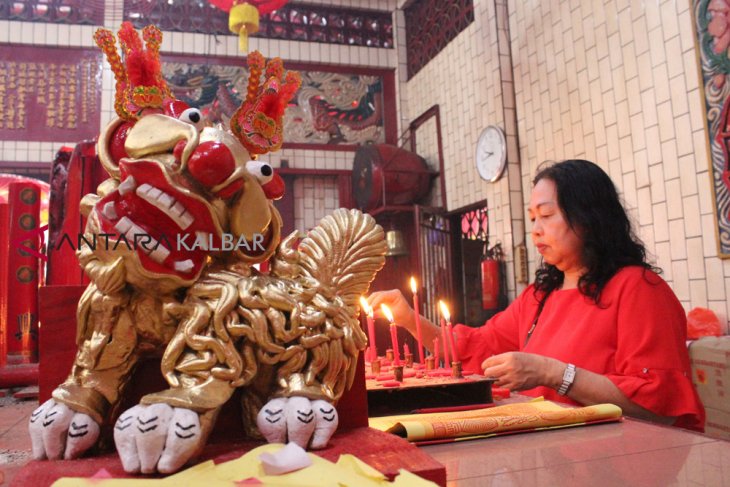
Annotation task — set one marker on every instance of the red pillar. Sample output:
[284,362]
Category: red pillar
[4,245]
[22,276]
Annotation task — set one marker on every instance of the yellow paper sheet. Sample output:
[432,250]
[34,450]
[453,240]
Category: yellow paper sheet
[349,471]
[478,422]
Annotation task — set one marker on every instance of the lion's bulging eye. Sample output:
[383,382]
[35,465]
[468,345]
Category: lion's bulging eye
[261,170]
[193,117]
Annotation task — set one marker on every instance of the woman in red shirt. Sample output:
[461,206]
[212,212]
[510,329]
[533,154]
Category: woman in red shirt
[598,325]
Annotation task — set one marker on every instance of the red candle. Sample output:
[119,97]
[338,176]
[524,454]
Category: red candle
[371,328]
[457,357]
[444,333]
[449,331]
[393,333]
[452,342]
[394,339]
[416,310]
[436,352]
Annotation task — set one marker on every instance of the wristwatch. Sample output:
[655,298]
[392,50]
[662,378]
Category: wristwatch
[568,378]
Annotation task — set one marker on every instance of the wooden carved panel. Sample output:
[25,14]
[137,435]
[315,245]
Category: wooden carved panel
[50,94]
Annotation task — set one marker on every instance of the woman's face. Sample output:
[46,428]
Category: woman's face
[556,241]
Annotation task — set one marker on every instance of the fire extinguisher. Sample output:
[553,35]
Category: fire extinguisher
[491,276]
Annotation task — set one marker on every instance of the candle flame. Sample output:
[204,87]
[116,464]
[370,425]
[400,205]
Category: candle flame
[365,306]
[414,285]
[386,311]
[444,310]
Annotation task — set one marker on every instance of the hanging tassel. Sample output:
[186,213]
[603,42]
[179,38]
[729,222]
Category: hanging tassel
[243,20]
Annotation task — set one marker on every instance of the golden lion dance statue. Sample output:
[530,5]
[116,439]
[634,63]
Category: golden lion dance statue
[187,211]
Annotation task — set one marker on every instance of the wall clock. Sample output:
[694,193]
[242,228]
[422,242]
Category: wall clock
[491,153]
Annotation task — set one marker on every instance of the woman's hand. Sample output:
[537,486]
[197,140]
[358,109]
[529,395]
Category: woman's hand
[394,299]
[518,371]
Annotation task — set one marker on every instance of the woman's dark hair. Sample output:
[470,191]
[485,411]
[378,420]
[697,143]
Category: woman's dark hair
[591,206]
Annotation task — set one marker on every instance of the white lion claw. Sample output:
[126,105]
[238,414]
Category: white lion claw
[298,420]
[272,421]
[82,435]
[326,421]
[183,439]
[156,438]
[57,431]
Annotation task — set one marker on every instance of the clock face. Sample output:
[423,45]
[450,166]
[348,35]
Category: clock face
[491,156]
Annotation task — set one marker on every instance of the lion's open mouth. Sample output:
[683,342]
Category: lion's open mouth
[166,223]
[171,229]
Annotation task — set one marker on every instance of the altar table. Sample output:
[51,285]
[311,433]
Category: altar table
[627,453]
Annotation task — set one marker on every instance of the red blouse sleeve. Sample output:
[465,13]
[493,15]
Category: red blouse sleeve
[498,335]
[651,360]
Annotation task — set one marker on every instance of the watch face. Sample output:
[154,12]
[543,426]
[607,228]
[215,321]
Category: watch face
[491,153]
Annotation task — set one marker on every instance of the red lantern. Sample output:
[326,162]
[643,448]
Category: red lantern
[243,16]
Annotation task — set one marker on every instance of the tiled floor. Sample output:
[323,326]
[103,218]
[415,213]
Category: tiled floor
[14,439]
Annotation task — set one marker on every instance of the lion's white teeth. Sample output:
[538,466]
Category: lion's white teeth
[109,211]
[143,189]
[135,233]
[123,225]
[159,254]
[177,209]
[153,194]
[185,220]
[165,202]
[184,266]
[127,185]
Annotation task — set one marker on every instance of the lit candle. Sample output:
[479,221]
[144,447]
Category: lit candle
[444,334]
[371,327]
[416,309]
[393,334]
[450,333]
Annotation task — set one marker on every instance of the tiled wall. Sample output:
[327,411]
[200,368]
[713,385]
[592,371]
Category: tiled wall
[469,96]
[615,82]
[316,198]
[183,43]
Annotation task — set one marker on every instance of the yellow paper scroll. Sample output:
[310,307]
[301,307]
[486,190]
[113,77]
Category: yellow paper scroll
[490,421]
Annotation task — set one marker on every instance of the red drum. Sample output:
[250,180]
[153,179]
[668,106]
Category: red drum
[384,175]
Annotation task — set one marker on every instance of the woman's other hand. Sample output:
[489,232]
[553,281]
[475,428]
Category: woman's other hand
[519,371]
[394,299]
